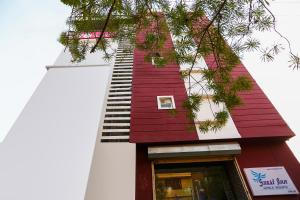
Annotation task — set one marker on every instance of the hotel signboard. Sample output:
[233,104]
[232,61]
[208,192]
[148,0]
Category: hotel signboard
[270,181]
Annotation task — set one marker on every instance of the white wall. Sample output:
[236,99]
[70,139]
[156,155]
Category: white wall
[48,152]
[112,175]
[64,59]
[228,131]
[208,107]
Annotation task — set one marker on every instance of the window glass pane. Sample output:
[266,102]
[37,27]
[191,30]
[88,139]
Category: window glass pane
[166,102]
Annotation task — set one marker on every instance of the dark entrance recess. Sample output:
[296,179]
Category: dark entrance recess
[198,181]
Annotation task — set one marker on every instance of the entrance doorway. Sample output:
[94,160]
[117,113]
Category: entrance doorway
[198,181]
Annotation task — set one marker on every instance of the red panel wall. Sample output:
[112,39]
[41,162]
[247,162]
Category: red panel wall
[270,154]
[144,190]
[148,124]
[257,117]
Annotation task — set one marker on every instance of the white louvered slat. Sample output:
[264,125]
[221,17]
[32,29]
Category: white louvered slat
[116,126]
[118,113]
[115,137]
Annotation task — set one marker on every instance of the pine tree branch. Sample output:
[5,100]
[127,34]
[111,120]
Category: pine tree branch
[275,28]
[206,30]
[202,36]
[104,27]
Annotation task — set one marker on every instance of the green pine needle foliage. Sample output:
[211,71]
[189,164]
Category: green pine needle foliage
[221,29]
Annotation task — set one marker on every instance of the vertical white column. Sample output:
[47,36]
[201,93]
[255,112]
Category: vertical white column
[48,152]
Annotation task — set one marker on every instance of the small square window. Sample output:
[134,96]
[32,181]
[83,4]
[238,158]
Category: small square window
[157,59]
[166,102]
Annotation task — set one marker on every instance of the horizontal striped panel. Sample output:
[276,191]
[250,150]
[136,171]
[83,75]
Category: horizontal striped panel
[149,82]
[257,117]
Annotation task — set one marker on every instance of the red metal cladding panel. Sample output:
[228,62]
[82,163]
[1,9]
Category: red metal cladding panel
[270,154]
[257,117]
[263,118]
[144,188]
[148,123]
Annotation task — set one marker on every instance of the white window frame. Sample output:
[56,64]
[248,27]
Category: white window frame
[165,108]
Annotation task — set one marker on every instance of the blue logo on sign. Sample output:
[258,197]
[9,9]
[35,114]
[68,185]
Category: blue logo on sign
[258,176]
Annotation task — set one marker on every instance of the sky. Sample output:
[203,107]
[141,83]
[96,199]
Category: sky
[28,42]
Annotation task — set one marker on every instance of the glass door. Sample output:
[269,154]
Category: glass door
[192,181]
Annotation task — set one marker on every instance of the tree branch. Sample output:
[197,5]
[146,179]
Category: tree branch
[274,26]
[104,27]
[204,33]
[206,29]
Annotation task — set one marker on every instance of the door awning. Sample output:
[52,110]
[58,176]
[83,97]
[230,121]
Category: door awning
[208,149]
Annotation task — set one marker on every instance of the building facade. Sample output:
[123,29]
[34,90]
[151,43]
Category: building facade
[103,130]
